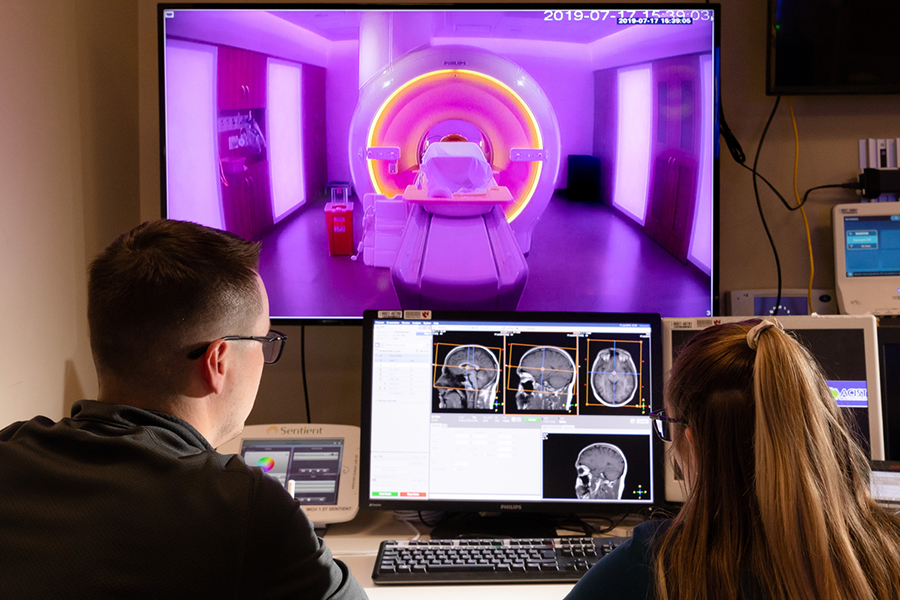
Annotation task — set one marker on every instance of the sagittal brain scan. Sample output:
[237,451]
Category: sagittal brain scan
[614,377]
[601,470]
[468,379]
[546,379]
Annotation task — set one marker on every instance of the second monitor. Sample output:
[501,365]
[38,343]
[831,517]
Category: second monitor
[846,347]
[512,412]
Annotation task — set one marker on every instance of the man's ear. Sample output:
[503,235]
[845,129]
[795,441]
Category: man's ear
[214,366]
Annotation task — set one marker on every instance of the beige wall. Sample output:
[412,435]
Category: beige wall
[81,163]
[69,156]
[829,129]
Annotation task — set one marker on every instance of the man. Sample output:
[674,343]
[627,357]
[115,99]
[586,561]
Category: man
[128,498]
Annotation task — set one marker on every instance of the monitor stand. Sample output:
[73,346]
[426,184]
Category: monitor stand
[496,525]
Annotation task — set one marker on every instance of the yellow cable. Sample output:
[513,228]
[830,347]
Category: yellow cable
[812,268]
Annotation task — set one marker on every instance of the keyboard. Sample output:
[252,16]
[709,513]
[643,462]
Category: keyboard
[545,560]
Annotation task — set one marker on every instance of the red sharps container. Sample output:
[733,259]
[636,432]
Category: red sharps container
[339,217]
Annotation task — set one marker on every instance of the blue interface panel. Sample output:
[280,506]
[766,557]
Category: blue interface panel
[872,245]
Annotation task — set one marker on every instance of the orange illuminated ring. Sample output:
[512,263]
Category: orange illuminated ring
[499,91]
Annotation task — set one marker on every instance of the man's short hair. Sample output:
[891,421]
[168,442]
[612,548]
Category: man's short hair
[161,290]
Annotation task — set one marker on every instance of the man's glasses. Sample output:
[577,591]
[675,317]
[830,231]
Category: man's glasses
[272,345]
[662,424]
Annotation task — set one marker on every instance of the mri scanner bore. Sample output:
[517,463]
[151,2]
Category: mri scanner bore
[360,100]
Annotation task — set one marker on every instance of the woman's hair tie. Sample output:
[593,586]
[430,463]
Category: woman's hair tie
[754,333]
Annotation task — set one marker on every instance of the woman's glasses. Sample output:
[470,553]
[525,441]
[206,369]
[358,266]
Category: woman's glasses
[662,424]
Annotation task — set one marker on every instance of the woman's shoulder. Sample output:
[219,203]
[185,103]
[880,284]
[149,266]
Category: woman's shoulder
[627,572]
[641,547]
[648,532]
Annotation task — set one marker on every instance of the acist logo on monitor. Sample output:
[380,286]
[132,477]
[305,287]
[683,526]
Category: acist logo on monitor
[853,394]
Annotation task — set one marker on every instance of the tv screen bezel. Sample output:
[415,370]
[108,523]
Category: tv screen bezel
[574,506]
[301,320]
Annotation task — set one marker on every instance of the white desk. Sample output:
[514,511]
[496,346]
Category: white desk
[356,544]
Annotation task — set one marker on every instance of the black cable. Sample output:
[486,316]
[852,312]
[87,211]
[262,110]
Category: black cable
[737,153]
[615,524]
[766,181]
[759,203]
[846,186]
[581,525]
[303,371]
[585,527]
[792,207]
[427,524]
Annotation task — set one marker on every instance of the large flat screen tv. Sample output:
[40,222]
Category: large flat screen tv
[450,157]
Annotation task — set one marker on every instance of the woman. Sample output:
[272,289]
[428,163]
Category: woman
[778,503]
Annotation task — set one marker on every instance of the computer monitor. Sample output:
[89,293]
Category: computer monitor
[885,483]
[535,413]
[889,358]
[303,126]
[846,347]
[867,257]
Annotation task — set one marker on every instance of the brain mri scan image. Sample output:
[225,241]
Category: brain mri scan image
[614,377]
[546,379]
[469,378]
[601,472]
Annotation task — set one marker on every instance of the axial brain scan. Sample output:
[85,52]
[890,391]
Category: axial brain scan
[546,379]
[614,377]
[601,472]
[468,378]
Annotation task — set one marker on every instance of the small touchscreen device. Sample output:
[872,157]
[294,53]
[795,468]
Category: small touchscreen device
[317,464]
[867,257]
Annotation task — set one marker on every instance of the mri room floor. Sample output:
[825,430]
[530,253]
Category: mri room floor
[584,257]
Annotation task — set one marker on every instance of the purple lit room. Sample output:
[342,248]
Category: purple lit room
[446,159]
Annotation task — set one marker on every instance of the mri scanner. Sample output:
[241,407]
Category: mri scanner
[461,248]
